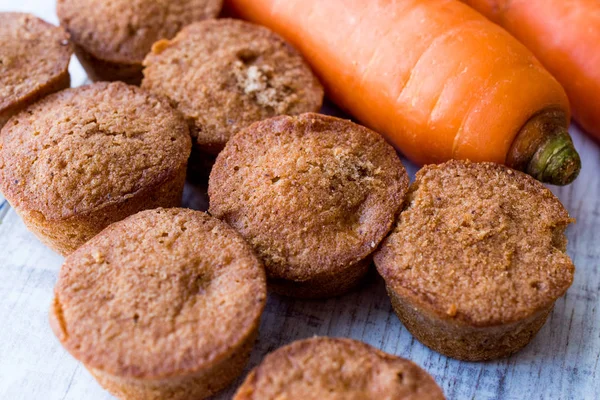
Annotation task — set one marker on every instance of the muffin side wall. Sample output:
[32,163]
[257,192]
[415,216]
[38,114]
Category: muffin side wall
[463,342]
[103,70]
[198,386]
[65,236]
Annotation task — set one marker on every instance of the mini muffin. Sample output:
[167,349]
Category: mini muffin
[477,259]
[314,196]
[162,305]
[34,61]
[83,158]
[113,37]
[336,369]
[235,73]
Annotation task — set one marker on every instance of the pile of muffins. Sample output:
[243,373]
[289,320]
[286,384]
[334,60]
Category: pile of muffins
[161,302]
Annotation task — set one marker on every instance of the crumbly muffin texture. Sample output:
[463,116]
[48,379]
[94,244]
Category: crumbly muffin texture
[34,57]
[123,31]
[478,243]
[336,369]
[82,149]
[235,73]
[312,194]
[163,293]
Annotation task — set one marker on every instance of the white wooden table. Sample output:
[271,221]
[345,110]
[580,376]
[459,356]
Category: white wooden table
[560,363]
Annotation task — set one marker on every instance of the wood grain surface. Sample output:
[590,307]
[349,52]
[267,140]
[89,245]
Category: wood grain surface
[560,363]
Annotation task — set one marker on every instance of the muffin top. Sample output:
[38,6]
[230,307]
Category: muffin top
[478,243]
[336,369]
[311,193]
[235,72]
[33,54]
[82,149]
[123,31]
[162,293]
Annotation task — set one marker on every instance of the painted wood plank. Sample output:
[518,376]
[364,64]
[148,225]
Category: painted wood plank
[561,362]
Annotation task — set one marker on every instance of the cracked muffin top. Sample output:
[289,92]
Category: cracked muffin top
[159,294]
[479,243]
[336,369]
[312,194]
[82,149]
[123,31]
[34,54]
[235,73]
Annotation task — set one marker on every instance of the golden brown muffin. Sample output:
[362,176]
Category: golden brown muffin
[235,73]
[324,368]
[34,61]
[113,37]
[314,196]
[83,158]
[477,259]
[162,305]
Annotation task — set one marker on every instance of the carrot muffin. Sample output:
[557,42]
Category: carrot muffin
[235,73]
[80,159]
[113,37]
[34,61]
[477,259]
[314,196]
[162,305]
[336,369]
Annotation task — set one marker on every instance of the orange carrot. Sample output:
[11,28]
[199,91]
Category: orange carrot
[436,78]
[565,36]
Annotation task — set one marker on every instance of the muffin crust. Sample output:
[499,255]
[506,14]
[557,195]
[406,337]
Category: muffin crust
[314,196]
[478,249]
[236,73]
[336,369]
[77,160]
[34,61]
[162,305]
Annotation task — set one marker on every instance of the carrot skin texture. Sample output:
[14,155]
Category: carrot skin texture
[436,78]
[565,36]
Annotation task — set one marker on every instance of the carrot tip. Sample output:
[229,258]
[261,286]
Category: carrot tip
[556,161]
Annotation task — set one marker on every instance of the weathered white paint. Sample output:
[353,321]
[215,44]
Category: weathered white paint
[560,363]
